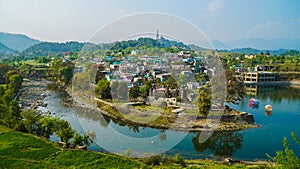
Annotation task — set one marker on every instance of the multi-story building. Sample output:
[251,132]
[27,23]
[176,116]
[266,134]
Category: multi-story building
[258,77]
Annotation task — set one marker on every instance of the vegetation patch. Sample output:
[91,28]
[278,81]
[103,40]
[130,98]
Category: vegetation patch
[20,145]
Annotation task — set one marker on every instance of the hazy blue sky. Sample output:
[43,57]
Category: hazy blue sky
[65,20]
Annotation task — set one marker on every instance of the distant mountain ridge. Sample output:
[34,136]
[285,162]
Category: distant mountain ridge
[259,43]
[48,48]
[254,51]
[17,42]
[4,50]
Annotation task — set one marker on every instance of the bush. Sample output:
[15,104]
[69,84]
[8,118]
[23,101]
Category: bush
[287,158]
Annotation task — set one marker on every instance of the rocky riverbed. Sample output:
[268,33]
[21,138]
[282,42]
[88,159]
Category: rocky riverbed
[33,93]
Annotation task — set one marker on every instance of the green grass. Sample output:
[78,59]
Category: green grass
[20,150]
[34,63]
[3,85]
[150,108]
[19,145]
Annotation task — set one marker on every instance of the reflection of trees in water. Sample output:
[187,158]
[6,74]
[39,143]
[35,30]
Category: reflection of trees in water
[220,143]
[93,115]
[279,93]
[132,127]
[163,136]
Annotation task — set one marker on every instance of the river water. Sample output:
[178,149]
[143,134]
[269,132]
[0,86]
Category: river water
[250,144]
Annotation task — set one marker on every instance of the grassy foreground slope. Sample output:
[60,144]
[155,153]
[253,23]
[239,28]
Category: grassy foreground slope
[21,150]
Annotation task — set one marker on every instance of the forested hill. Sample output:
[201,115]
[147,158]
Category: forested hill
[17,41]
[5,50]
[255,51]
[49,48]
[148,42]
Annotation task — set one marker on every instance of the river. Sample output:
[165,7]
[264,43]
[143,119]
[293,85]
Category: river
[250,144]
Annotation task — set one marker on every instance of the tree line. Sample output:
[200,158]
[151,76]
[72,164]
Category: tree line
[31,121]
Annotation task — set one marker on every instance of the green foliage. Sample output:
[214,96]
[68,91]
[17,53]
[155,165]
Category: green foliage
[8,74]
[203,101]
[171,83]
[50,48]
[134,92]
[103,89]
[20,145]
[47,126]
[64,131]
[82,140]
[15,83]
[30,120]
[65,74]
[287,158]
[10,115]
[178,159]
[27,151]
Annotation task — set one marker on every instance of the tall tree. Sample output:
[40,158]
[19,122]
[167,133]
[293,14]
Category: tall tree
[134,92]
[15,83]
[65,74]
[103,89]
[47,126]
[31,120]
[64,131]
[203,101]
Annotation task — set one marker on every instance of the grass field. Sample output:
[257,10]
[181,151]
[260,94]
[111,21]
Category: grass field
[20,150]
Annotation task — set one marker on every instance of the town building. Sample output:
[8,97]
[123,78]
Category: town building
[258,77]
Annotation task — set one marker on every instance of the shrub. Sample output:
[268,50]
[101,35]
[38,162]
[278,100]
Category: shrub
[287,158]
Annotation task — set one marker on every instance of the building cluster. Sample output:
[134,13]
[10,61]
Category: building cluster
[259,74]
[157,70]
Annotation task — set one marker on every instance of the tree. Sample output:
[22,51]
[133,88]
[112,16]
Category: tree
[8,74]
[287,158]
[78,140]
[31,120]
[103,89]
[144,90]
[12,118]
[65,74]
[15,83]
[64,131]
[47,126]
[134,92]
[171,82]
[234,88]
[204,102]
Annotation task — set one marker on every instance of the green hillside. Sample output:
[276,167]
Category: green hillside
[17,41]
[4,50]
[19,150]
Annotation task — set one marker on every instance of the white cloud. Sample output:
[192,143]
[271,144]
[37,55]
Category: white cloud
[298,19]
[268,25]
[215,5]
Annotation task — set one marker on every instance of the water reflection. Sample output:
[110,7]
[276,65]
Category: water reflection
[276,93]
[268,113]
[221,144]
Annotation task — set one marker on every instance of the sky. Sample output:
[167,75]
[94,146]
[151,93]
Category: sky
[79,20]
